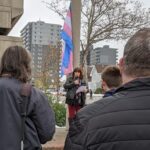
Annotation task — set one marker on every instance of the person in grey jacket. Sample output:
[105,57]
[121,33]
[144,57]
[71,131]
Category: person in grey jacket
[15,70]
[120,121]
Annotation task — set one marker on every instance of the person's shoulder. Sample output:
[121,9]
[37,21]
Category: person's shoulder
[37,91]
[95,109]
[37,94]
[70,78]
[3,82]
[9,83]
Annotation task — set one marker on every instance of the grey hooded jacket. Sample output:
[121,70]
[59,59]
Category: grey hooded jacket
[40,121]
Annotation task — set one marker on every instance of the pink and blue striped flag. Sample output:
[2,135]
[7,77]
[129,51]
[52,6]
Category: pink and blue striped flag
[67,52]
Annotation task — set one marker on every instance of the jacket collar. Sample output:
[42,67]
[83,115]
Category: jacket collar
[109,93]
[136,84]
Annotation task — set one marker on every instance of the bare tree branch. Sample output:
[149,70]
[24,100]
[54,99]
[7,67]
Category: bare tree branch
[106,19]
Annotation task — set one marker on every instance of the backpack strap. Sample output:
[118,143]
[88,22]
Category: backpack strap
[25,93]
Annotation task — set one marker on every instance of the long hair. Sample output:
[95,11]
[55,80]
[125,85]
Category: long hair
[16,61]
[77,70]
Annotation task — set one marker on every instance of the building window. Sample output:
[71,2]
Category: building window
[39,58]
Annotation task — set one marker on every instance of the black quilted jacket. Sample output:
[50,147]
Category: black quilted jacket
[119,122]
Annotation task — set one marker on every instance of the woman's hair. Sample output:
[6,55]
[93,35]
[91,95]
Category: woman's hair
[77,70]
[16,61]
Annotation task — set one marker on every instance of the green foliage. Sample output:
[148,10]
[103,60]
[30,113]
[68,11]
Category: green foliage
[59,109]
[51,99]
[60,114]
[98,91]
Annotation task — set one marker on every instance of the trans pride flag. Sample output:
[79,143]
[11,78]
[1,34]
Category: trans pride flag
[67,52]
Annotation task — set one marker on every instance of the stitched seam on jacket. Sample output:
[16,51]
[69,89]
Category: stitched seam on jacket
[127,110]
[99,114]
[137,124]
[119,141]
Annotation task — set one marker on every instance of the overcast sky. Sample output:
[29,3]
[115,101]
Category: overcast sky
[35,10]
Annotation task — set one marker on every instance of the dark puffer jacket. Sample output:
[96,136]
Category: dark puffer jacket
[71,89]
[109,93]
[40,121]
[119,122]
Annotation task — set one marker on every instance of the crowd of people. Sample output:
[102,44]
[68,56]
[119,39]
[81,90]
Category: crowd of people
[119,121]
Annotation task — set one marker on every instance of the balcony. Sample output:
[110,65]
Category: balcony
[10,12]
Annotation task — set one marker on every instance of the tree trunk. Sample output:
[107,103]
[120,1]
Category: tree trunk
[84,65]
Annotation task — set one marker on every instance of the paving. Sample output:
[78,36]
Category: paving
[58,140]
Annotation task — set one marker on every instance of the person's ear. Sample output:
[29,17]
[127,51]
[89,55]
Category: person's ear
[104,86]
[121,65]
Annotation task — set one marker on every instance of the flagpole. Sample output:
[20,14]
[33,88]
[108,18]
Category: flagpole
[76,24]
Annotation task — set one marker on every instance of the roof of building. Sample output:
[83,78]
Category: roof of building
[99,69]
